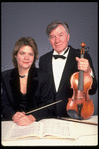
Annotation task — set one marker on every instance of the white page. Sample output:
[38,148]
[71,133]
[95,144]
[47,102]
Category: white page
[86,129]
[23,131]
[59,128]
[6,127]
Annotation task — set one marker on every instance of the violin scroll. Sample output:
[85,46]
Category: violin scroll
[83,48]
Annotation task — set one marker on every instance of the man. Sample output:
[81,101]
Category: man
[62,62]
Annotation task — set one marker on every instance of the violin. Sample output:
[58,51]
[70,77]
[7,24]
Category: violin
[80,106]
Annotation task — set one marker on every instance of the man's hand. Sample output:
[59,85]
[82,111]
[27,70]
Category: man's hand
[83,64]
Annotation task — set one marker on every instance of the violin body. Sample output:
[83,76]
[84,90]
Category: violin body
[80,106]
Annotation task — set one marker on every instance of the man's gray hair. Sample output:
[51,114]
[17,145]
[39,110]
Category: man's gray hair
[54,25]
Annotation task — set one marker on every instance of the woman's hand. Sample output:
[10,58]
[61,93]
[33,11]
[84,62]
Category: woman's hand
[17,116]
[26,120]
[23,120]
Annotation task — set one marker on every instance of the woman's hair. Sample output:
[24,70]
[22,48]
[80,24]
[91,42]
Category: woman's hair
[24,41]
[54,25]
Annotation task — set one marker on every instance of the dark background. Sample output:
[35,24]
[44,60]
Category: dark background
[20,19]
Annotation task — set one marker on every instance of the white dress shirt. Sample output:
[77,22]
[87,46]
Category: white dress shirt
[58,67]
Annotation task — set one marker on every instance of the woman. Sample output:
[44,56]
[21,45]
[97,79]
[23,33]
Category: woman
[25,87]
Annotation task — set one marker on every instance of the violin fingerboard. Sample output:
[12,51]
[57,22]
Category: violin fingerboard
[81,55]
[81,82]
[81,77]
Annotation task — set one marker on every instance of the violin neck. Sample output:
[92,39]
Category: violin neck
[81,77]
[81,82]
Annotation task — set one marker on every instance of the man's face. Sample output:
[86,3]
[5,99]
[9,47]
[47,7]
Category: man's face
[59,38]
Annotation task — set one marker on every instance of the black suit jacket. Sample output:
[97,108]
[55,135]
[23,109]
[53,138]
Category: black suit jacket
[65,91]
[38,93]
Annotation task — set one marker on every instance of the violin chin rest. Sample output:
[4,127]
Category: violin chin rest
[73,114]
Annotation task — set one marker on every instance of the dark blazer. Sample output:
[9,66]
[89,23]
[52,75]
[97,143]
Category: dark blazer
[38,93]
[65,91]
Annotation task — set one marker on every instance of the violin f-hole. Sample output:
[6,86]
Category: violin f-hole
[79,106]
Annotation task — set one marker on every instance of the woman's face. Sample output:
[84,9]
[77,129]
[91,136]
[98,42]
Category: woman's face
[25,57]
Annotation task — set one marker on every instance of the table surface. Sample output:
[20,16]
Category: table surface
[88,136]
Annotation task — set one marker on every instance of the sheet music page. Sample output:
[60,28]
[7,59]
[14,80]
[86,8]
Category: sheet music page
[5,127]
[59,128]
[34,129]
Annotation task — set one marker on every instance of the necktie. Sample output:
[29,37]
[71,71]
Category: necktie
[61,56]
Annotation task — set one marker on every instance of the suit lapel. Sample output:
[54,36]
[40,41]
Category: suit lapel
[67,70]
[14,86]
[32,83]
[49,61]
[51,71]
[48,67]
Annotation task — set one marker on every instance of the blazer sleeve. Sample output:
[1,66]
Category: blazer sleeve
[45,97]
[94,84]
[7,110]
